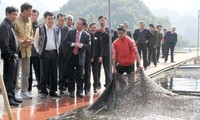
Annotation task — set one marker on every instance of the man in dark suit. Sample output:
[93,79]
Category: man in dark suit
[62,53]
[104,30]
[35,60]
[77,42]
[142,37]
[128,32]
[46,42]
[96,56]
[9,53]
[170,42]
[88,56]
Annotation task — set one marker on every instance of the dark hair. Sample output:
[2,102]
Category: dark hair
[85,23]
[121,29]
[100,17]
[159,26]
[25,6]
[11,9]
[60,15]
[47,13]
[83,19]
[92,24]
[151,25]
[35,11]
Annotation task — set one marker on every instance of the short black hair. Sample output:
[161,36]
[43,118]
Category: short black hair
[10,9]
[35,11]
[60,15]
[100,17]
[47,13]
[151,25]
[92,24]
[25,6]
[121,29]
[159,26]
[85,23]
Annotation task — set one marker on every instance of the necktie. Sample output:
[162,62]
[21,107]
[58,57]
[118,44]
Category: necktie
[77,41]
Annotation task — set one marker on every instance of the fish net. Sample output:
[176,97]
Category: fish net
[140,99]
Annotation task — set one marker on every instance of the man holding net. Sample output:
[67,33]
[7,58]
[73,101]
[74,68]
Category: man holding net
[124,54]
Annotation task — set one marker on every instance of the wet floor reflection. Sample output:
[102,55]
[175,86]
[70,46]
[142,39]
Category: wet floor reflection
[41,109]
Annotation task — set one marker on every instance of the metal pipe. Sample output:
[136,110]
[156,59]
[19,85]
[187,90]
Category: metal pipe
[110,37]
[198,36]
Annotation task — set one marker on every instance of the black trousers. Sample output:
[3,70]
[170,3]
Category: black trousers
[152,56]
[75,75]
[49,71]
[170,47]
[96,71]
[142,49]
[163,50]
[62,75]
[10,76]
[107,66]
[35,63]
[87,74]
[158,53]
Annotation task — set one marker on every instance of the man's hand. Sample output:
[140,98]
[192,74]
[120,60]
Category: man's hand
[91,60]
[139,67]
[102,30]
[100,59]
[28,42]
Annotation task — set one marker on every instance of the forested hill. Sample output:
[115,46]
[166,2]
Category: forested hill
[132,11]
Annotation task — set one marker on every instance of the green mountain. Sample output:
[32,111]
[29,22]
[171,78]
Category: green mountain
[132,11]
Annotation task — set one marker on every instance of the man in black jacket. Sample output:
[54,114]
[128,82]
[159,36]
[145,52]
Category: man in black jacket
[170,42]
[77,42]
[62,53]
[104,30]
[35,60]
[9,53]
[142,37]
[97,48]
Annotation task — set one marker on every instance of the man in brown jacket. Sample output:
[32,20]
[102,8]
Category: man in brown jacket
[24,31]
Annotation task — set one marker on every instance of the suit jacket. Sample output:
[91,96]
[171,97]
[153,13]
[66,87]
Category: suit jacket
[97,45]
[171,38]
[8,43]
[129,34]
[105,41]
[142,37]
[62,47]
[71,38]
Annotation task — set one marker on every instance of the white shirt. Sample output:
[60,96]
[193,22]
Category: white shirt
[51,45]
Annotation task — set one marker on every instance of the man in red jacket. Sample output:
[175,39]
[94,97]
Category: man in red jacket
[124,54]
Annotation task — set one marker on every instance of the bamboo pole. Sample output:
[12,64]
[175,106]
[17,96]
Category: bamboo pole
[5,97]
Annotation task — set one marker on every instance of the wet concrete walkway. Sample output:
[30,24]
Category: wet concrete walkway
[41,109]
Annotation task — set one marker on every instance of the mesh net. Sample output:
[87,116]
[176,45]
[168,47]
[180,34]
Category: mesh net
[142,99]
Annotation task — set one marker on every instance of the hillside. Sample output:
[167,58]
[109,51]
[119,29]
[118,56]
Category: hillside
[132,11]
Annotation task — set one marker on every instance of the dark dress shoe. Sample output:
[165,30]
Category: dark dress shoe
[39,91]
[44,95]
[87,92]
[54,94]
[80,95]
[17,100]
[13,103]
[62,92]
[72,95]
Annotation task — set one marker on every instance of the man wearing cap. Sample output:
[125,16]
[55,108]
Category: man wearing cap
[142,36]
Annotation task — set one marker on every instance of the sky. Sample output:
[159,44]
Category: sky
[185,7]
[51,4]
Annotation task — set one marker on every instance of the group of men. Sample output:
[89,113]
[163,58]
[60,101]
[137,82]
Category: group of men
[149,42]
[70,50]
